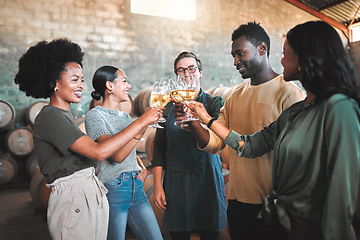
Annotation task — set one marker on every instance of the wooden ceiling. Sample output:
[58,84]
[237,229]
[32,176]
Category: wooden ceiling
[342,14]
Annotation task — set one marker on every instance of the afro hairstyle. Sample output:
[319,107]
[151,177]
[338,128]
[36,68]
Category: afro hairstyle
[40,67]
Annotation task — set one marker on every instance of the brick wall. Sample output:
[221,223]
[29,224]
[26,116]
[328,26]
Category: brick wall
[355,56]
[143,46]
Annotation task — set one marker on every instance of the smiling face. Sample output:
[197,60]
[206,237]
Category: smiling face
[120,86]
[247,58]
[69,86]
[290,63]
[187,62]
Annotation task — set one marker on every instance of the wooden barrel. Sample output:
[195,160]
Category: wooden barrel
[7,115]
[148,182]
[31,165]
[219,91]
[19,141]
[32,111]
[141,146]
[226,175]
[126,106]
[142,101]
[149,145]
[224,157]
[8,168]
[230,90]
[149,189]
[225,92]
[39,192]
[210,90]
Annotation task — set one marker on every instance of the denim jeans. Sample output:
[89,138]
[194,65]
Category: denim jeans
[129,204]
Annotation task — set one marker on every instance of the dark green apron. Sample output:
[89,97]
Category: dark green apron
[193,183]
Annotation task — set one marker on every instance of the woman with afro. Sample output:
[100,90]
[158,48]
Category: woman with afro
[78,207]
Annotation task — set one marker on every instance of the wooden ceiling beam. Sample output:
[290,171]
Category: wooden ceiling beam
[321,16]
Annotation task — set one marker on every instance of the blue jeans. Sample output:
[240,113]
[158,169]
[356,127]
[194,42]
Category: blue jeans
[128,204]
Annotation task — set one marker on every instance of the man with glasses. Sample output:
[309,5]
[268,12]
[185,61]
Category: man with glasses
[192,193]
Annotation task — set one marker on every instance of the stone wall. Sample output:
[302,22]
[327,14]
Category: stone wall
[143,46]
[355,56]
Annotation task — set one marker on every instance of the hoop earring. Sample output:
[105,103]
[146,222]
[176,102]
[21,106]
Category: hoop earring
[55,89]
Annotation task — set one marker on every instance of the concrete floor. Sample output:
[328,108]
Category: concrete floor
[22,219]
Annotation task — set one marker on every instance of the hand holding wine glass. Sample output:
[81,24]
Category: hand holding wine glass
[187,92]
[177,100]
[199,111]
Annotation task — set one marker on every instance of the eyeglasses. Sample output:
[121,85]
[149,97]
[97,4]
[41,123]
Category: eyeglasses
[182,70]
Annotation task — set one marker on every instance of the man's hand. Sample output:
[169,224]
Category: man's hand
[179,112]
[159,198]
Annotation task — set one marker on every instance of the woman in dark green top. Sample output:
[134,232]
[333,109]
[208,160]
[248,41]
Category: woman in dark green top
[78,208]
[316,142]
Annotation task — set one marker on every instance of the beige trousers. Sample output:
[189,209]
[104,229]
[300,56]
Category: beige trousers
[78,207]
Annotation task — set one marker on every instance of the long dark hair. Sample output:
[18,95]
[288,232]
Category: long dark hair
[101,76]
[325,65]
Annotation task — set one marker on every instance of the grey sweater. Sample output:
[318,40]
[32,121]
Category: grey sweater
[102,121]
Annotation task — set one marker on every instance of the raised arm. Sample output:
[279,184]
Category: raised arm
[109,146]
[200,133]
[249,146]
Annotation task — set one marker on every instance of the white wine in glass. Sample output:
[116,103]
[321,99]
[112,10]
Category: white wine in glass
[160,100]
[187,92]
[186,95]
[160,96]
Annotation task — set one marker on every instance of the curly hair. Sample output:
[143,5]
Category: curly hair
[40,67]
[186,54]
[101,76]
[325,65]
[254,33]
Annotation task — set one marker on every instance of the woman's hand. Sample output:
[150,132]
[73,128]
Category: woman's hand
[199,111]
[152,115]
[143,172]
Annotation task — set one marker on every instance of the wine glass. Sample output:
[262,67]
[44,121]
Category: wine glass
[174,94]
[187,86]
[160,96]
